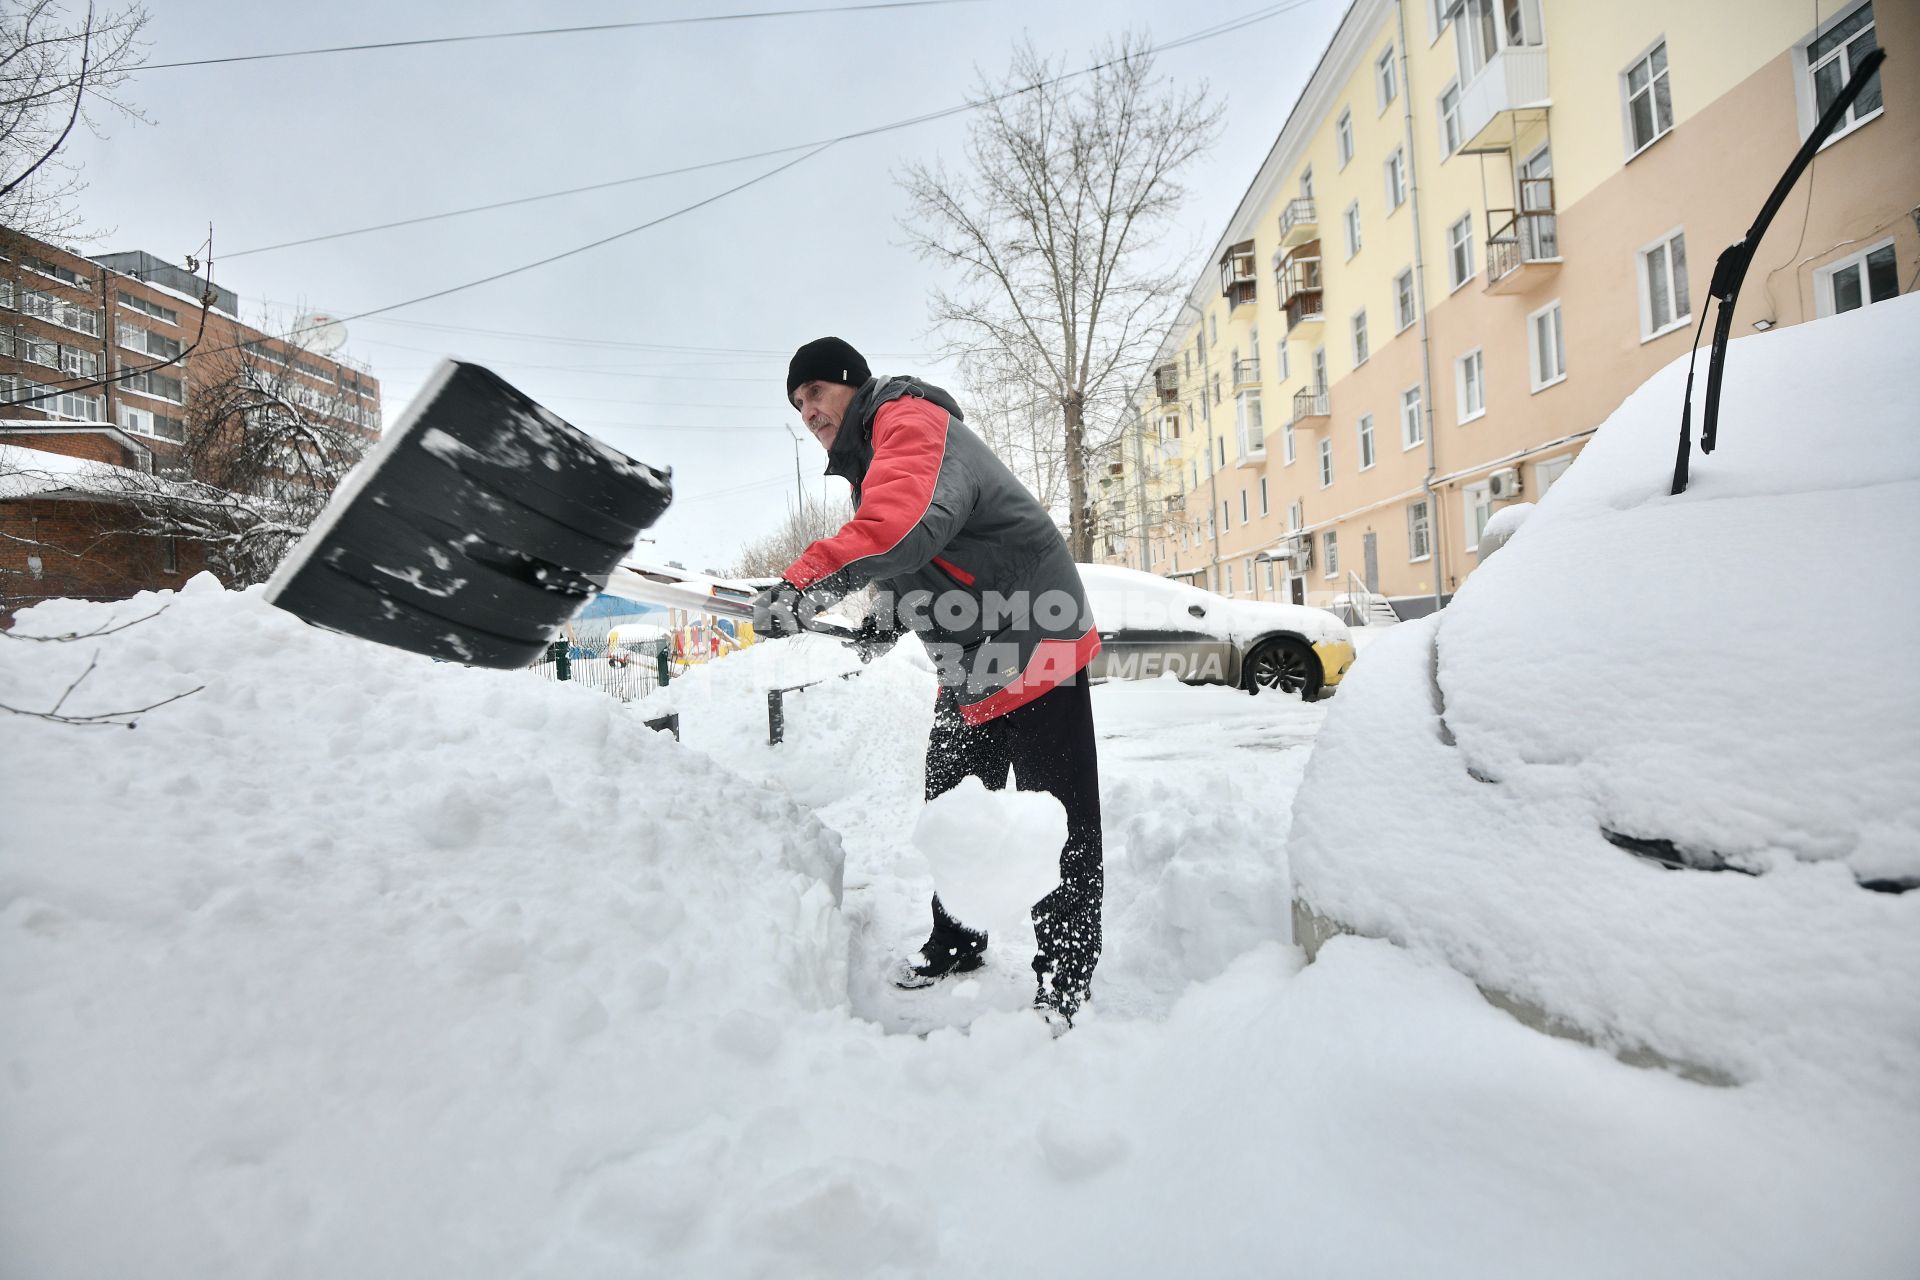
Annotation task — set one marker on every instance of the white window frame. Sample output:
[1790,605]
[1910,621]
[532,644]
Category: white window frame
[1357,330]
[1326,462]
[1364,443]
[1283,363]
[1306,183]
[1350,228]
[1547,471]
[1343,137]
[1824,302]
[1246,507]
[1394,174]
[1539,377]
[1404,316]
[1330,554]
[1805,100]
[1627,96]
[1456,245]
[1286,443]
[1463,412]
[1263,496]
[1641,266]
[1413,430]
[1451,135]
[1419,531]
[1252,435]
[1386,80]
[1296,515]
[1474,499]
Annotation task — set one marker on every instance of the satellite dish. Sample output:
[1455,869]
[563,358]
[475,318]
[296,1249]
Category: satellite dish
[319,333]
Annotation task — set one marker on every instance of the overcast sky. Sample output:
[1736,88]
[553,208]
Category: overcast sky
[671,343]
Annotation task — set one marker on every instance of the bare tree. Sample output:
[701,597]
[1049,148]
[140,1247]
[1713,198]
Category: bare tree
[56,74]
[1054,231]
[766,557]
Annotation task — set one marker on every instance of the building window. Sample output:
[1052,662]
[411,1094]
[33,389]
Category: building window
[1546,347]
[1545,473]
[1360,337]
[1450,136]
[1386,80]
[1664,303]
[1396,169]
[169,555]
[1830,58]
[1296,515]
[1853,282]
[1403,309]
[1226,516]
[1213,328]
[1419,531]
[1343,137]
[1250,425]
[1470,384]
[1283,364]
[1306,183]
[1216,394]
[1263,495]
[1286,443]
[1413,429]
[1366,441]
[1476,506]
[1460,251]
[1326,462]
[1222,442]
[1352,221]
[1330,557]
[1649,102]
[153,309]
[1244,517]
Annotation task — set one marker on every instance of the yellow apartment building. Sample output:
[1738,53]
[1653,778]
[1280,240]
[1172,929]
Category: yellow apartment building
[1485,223]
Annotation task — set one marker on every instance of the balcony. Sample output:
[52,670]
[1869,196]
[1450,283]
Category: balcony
[1238,275]
[1166,381]
[1298,223]
[1298,278]
[1246,373]
[1523,245]
[1310,407]
[1514,80]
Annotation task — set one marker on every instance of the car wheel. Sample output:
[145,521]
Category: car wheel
[1285,664]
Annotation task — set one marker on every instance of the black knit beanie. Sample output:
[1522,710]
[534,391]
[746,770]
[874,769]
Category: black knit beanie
[826,360]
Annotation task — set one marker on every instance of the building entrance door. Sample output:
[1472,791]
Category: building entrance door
[1297,588]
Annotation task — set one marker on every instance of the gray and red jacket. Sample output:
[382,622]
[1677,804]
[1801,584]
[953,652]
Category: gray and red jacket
[962,553]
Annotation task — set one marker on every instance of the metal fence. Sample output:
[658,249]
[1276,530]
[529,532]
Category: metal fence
[625,673]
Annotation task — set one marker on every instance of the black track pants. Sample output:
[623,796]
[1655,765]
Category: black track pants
[1049,745]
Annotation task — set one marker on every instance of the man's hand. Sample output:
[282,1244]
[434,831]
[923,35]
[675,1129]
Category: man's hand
[873,639]
[780,610]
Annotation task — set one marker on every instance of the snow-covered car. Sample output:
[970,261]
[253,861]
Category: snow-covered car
[1152,626]
[1589,785]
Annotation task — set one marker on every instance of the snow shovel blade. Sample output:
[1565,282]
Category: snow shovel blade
[476,526]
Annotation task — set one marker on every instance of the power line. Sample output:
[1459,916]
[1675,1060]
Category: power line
[554,31]
[1205,33]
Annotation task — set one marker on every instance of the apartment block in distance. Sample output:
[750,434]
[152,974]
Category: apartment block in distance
[69,324]
[1484,224]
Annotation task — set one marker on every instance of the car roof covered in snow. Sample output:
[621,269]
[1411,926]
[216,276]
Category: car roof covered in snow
[1640,677]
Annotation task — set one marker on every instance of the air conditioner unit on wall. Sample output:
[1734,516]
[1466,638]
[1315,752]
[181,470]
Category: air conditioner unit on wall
[1300,555]
[1504,483]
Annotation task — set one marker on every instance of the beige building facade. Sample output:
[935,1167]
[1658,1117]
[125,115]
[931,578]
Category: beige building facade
[1485,223]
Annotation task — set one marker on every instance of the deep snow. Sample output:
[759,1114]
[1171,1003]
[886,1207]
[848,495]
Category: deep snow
[357,964]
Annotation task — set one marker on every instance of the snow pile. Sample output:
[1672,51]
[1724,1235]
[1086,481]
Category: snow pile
[344,938]
[357,965]
[993,853]
[1626,674]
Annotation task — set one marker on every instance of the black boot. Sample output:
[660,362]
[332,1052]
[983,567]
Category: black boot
[1069,936]
[951,948]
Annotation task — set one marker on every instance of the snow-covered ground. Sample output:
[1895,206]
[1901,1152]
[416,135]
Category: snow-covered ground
[355,964]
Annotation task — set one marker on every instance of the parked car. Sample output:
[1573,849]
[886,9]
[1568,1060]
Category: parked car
[1152,626]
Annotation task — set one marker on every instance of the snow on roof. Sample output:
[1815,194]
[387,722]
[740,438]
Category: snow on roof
[26,472]
[1675,671]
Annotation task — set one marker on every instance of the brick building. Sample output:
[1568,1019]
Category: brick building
[103,364]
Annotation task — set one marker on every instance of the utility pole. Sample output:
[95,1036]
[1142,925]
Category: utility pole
[799,489]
